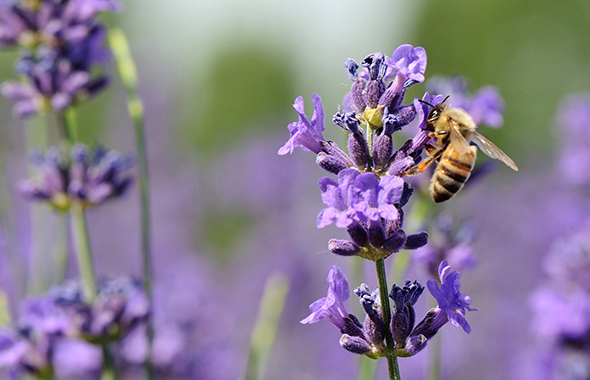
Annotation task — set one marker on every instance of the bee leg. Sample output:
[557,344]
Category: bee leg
[429,148]
[433,155]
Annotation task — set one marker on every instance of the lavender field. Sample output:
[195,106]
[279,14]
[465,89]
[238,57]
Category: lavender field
[222,190]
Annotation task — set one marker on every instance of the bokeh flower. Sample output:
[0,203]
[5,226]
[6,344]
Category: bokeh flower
[87,177]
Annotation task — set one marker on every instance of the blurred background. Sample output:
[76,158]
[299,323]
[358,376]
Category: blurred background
[218,79]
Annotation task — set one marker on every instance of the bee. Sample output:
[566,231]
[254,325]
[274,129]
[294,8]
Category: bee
[453,129]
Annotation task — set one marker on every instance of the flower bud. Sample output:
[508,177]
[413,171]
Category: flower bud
[358,234]
[357,147]
[343,247]
[415,344]
[416,241]
[395,242]
[376,233]
[355,344]
[382,149]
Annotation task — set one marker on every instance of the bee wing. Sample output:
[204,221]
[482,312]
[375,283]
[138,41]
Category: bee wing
[492,150]
[460,144]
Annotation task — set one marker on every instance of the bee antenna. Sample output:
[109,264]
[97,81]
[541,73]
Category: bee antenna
[425,102]
[445,99]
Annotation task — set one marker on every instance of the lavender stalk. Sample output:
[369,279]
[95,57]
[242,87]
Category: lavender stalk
[368,198]
[263,335]
[392,364]
[83,252]
[128,73]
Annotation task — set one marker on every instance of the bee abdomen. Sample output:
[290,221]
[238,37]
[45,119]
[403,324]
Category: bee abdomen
[450,175]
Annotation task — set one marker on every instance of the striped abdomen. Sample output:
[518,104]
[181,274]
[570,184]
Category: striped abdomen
[452,172]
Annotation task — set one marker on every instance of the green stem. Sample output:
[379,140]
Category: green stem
[69,124]
[83,251]
[108,366]
[128,73]
[61,248]
[435,351]
[389,343]
[78,219]
[264,333]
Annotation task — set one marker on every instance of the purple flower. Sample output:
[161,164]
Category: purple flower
[377,196]
[30,346]
[42,315]
[409,63]
[52,23]
[338,196]
[88,178]
[331,307]
[449,296]
[487,107]
[53,83]
[306,134]
[568,261]
[448,242]
[561,314]
[63,45]
[12,347]
[120,305]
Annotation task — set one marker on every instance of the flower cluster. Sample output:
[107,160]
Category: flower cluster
[45,322]
[61,43]
[368,196]
[87,178]
[367,338]
[450,242]
[561,306]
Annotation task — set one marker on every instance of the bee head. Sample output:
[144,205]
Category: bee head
[434,113]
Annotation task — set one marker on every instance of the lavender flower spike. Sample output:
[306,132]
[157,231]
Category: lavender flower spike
[331,307]
[449,296]
[306,134]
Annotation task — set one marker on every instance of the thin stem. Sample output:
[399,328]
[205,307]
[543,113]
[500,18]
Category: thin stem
[384,296]
[108,366]
[128,73]
[264,333]
[61,247]
[78,220]
[83,251]
[69,125]
[435,351]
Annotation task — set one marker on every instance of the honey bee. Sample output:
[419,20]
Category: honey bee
[453,129]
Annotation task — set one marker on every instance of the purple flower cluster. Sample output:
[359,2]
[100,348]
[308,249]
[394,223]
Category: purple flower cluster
[368,196]
[49,327]
[375,103]
[88,178]
[62,42]
[371,211]
[448,242]
[367,338]
[561,308]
